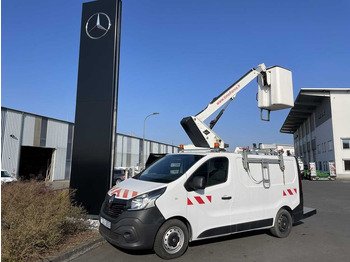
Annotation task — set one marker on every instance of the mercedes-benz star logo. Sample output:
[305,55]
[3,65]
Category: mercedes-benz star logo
[111,200]
[97,25]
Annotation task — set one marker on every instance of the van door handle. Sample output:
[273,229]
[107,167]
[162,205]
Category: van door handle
[226,197]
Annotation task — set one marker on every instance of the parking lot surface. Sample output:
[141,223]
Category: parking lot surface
[323,237]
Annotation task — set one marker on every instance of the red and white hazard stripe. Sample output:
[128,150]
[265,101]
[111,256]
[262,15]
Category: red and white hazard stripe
[198,200]
[290,192]
[122,192]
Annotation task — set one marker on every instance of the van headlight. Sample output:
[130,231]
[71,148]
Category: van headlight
[146,200]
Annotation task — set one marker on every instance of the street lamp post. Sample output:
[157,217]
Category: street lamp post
[143,140]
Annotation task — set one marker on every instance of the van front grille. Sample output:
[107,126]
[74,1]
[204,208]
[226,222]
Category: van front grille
[114,209]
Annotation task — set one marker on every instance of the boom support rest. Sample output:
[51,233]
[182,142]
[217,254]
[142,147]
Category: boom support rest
[193,132]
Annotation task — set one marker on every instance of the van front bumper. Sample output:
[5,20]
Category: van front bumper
[132,229]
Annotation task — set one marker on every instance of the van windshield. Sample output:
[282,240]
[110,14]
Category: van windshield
[168,168]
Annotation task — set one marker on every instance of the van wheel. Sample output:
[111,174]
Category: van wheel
[171,240]
[283,224]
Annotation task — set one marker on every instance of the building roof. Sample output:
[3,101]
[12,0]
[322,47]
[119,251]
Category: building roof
[305,104]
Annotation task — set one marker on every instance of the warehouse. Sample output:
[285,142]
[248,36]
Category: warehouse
[34,146]
[320,124]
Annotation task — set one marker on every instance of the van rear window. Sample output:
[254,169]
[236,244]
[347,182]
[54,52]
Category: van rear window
[168,168]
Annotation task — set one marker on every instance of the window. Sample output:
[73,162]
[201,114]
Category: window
[330,145]
[346,143]
[324,149]
[218,171]
[214,169]
[347,165]
[168,168]
[325,166]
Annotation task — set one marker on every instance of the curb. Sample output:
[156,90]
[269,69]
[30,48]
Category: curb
[76,251]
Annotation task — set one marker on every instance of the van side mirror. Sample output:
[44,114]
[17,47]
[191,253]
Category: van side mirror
[198,182]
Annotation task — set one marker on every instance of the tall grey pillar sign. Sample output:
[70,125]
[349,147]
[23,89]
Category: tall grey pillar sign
[96,107]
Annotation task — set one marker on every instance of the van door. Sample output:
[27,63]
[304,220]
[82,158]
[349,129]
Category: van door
[252,193]
[208,209]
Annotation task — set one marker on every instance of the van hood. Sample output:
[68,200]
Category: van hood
[131,188]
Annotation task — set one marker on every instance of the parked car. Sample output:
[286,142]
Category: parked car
[119,175]
[6,177]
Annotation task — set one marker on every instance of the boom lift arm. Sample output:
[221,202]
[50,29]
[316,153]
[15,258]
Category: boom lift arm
[203,136]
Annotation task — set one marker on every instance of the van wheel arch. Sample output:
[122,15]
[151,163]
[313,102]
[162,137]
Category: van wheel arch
[185,221]
[288,209]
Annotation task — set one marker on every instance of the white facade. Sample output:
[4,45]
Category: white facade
[340,104]
[320,123]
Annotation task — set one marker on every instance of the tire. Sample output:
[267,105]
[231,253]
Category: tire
[171,240]
[283,224]
[118,181]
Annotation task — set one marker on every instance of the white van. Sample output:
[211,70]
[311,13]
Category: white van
[192,196]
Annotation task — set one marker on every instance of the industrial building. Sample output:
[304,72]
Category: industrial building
[320,124]
[34,146]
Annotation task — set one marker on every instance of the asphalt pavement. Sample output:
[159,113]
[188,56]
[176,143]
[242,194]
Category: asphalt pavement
[322,237]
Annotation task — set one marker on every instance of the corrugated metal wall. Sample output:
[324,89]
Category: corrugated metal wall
[3,124]
[69,151]
[28,130]
[25,129]
[129,149]
[11,141]
[57,137]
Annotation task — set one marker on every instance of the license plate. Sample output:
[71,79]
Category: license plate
[105,222]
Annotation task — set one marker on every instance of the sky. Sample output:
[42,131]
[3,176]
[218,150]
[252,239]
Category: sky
[176,55]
